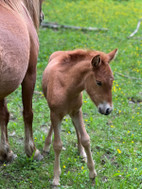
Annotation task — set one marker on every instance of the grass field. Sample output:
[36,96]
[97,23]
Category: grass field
[116,140]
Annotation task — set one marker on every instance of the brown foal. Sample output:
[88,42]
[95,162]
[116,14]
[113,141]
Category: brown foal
[66,76]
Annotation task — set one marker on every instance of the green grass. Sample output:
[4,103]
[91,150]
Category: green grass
[116,140]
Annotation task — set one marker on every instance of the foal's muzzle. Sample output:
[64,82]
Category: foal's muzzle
[105,108]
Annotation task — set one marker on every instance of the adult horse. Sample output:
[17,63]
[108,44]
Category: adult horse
[19,20]
[65,77]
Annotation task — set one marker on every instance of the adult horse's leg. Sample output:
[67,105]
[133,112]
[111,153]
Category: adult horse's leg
[28,85]
[85,141]
[5,153]
[48,140]
[57,145]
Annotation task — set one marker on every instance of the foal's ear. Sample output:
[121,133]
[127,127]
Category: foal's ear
[112,54]
[96,61]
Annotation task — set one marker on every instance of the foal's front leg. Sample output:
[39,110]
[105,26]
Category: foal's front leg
[27,94]
[85,141]
[5,153]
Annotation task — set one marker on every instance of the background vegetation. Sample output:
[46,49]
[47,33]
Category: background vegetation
[116,140]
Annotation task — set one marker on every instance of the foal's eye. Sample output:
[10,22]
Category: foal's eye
[99,83]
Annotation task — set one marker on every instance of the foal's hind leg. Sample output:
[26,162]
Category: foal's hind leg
[27,94]
[48,140]
[80,147]
[57,145]
[5,153]
[85,141]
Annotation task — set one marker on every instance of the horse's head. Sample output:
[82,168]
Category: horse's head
[41,12]
[99,82]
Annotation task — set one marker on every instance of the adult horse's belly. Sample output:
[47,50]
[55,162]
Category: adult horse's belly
[14,53]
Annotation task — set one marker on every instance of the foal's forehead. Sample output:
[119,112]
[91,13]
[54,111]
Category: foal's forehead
[104,71]
[104,76]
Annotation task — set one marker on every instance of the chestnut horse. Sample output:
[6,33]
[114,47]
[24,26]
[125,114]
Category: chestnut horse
[66,76]
[19,20]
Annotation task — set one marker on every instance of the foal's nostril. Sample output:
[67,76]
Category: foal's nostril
[108,110]
[104,108]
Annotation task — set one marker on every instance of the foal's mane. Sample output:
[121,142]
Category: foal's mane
[79,54]
[31,5]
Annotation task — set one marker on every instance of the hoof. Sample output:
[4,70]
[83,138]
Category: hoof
[37,155]
[46,149]
[93,182]
[84,159]
[9,157]
[56,183]
[92,174]
[45,153]
[55,187]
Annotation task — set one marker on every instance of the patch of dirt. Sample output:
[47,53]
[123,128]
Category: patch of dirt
[133,100]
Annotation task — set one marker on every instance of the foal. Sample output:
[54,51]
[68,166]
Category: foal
[66,76]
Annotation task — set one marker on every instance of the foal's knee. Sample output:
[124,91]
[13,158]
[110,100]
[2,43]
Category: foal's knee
[57,147]
[85,141]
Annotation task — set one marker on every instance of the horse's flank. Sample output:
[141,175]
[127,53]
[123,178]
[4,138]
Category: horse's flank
[31,5]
